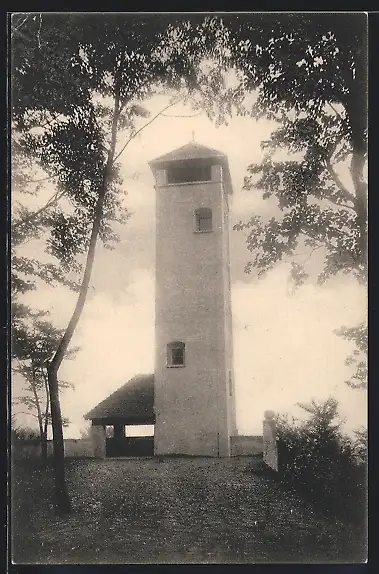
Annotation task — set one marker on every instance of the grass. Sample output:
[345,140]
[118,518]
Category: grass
[181,510]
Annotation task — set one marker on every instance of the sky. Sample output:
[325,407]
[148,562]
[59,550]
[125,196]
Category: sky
[285,347]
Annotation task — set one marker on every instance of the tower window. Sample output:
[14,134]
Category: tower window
[189,173]
[175,354]
[203,219]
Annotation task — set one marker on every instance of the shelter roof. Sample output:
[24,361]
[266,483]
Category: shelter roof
[133,403]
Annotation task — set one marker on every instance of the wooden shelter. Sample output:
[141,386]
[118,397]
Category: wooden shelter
[131,404]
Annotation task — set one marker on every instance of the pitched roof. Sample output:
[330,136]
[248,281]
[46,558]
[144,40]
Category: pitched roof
[133,402]
[191,150]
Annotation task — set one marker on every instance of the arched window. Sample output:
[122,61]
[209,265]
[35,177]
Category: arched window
[203,217]
[175,354]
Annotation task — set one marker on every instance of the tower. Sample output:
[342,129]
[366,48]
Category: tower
[194,398]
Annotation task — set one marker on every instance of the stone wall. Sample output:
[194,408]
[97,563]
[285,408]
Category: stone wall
[73,448]
[270,448]
[78,448]
[246,445]
[98,441]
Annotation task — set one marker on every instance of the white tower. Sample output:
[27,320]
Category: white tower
[194,380]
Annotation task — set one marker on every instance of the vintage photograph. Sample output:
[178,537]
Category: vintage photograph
[188,244]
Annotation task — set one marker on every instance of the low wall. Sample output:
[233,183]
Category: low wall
[72,448]
[78,447]
[241,445]
[25,449]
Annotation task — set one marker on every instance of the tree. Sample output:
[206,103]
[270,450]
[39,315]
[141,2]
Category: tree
[19,433]
[328,466]
[31,352]
[85,433]
[108,64]
[310,72]
[71,150]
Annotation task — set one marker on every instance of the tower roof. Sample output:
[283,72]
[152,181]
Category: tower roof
[194,151]
[191,150]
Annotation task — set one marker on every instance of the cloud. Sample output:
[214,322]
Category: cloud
[286,350]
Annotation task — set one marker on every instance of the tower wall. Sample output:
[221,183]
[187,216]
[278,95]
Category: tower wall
[228,321]
[193,404]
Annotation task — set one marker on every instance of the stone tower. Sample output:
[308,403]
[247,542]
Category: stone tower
[194,381]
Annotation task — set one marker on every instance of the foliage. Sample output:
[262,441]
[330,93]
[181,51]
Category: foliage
[55,131]
[85,432]
[327,466]
[358,358]
[63,130]
[318,211]
[21,433]
[309,73]
[360,445]
[310,76]
[34,343]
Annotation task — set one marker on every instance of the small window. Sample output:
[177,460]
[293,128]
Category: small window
[203,219]
[230,384]
[189,173]
[175,354]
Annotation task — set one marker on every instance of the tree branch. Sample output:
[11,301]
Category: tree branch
[45,178]
[180,116]
[39,31]
[52,201]
[15,29]
[335,111]
[345,205]
[323,241]
[348,196]
[26,413]
[311,253]
[145,126]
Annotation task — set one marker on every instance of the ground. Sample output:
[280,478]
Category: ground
[181,510]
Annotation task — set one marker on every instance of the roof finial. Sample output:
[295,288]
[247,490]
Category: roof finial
[193,135]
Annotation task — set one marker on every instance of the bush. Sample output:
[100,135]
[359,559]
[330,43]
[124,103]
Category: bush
[328,467]
[24,434]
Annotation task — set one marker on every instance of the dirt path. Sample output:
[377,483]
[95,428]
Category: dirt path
[178,511]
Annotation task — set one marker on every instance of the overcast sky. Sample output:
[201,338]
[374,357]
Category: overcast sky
[285,348]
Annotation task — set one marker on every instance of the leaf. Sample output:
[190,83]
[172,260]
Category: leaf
[139,111]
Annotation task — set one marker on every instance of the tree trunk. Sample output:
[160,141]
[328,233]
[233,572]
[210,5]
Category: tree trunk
[356,169]
[356,108]
[44,446]
[62,501]
[39,412]
[46,421]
